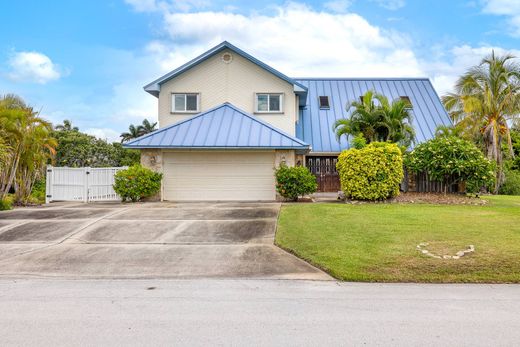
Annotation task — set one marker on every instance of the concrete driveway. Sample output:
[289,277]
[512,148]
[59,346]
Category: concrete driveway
[150,240]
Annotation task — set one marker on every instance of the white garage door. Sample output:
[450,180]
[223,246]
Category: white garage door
[218,176]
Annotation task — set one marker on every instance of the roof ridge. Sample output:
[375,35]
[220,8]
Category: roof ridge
[359,78]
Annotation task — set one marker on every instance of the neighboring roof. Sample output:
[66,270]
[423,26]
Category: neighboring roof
[225,127]
[315,125]
[155,86]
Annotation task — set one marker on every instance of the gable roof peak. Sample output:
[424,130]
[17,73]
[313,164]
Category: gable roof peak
[155,87]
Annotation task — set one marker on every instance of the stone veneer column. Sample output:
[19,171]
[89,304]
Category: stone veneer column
[152,159]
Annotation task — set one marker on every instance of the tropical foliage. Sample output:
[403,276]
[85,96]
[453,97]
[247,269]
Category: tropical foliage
[371,173]
[293,182]
[77,149]
[452,160]
[136,183]
[378,119]
[26,147]
[137,131]
[485,102]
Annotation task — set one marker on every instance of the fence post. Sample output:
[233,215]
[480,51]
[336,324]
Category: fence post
[85,184]
[48,184]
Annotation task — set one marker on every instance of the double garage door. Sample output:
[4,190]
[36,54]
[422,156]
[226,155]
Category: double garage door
[197,175]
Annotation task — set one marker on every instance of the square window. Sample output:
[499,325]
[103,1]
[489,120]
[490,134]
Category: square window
[185,103]
[324,102]
[269,103]
[407,100]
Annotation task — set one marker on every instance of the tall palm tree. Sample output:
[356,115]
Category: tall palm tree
[66,126]
[485,102]
[378,119]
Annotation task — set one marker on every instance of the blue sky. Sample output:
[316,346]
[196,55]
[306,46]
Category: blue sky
[87,60]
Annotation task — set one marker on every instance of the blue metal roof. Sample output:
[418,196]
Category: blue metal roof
[315,125]
[224,126]
[155,86]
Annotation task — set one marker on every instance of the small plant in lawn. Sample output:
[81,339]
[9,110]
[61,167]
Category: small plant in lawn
[292,182]
[452,160]
[372,172]
[136,183]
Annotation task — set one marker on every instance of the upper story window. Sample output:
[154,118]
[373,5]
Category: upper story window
[185,102]
[324,102]
[269,102]
[407,100]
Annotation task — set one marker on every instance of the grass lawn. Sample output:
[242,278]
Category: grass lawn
[377,242]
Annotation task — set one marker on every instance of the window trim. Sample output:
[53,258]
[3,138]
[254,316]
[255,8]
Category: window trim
[268,103]
[172,102]
[328,102]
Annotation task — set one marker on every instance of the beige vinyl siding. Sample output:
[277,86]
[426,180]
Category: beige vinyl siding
[237,83]
[215,175]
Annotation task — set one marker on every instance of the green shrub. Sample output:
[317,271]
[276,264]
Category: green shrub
[371,173]
[511,185]
[452,160]
[136,183]
[38,192]
[6,203]
[292,182]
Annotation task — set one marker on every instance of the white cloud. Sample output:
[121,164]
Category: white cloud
[339,6]
[32,67]
[390,4]
[445,70]
[507,8]
[107,134]
[336,44]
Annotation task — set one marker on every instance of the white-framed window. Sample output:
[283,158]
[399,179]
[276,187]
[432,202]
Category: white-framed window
[324,102]
[269,103]
[185,102]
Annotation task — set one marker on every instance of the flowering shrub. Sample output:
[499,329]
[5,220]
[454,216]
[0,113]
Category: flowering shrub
[292,182]
[136,182]
[372,172]
[452,160]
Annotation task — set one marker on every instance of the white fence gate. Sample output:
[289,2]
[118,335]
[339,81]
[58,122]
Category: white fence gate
[81,184]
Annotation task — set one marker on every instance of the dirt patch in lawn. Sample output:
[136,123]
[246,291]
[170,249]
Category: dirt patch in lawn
[436,198]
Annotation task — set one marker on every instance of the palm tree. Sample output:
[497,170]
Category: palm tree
[398,121]
[381,121]
[486,101]
[132,133]
[147,127]
[29,143]
[137,131]
[66,126]
[365,119]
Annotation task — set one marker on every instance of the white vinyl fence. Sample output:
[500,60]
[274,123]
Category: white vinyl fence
[81,184]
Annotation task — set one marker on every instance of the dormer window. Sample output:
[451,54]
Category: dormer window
[324,102]
[407,100]
[269,103]
[185,103]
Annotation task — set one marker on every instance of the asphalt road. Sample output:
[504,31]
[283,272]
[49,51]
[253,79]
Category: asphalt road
[207,312]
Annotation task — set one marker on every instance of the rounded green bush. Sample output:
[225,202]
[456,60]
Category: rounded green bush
[6,203]
[136,183]
[292,182]
[452,160]
[373,172]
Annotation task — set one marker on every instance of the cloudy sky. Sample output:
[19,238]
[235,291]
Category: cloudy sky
[87,60]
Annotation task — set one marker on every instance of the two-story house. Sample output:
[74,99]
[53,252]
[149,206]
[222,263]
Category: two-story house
[227,120]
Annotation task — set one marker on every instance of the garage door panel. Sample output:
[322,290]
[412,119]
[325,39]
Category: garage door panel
[218,176]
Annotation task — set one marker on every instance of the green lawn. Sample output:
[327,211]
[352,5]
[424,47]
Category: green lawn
[377,242]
